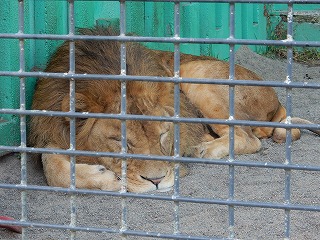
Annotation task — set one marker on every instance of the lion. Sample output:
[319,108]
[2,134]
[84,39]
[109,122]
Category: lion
[143,98]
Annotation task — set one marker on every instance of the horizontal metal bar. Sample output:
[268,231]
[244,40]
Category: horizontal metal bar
[227,202]
[285,42]
[230,122]
[30,224]
[240,82]
[162,158]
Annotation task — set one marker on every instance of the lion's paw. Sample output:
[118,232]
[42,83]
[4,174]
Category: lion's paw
[105,179]
[211,150]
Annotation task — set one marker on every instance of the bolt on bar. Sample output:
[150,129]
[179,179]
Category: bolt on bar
[23,131]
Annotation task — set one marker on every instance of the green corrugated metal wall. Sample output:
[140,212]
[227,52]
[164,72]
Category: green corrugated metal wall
[253,21]
[9,86]
[197,20]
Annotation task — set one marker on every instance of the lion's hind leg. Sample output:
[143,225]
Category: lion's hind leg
[57,171]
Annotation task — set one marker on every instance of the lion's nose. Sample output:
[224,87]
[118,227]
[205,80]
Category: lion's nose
[155,181]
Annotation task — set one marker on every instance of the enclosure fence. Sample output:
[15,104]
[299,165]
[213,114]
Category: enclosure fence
[231,162]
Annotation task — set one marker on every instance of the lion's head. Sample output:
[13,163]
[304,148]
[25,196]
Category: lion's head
[142,137]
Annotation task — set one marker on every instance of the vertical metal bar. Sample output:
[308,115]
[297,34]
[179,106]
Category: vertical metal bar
[231,117]
[289,111]
[176,114]
[23,132]
[73,214]
[124,220]
[32,42]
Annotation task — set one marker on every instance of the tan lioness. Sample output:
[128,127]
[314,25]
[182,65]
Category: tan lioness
[143,98]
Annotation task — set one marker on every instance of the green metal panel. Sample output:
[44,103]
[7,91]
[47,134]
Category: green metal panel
[49,17]
[197,20]
[9,91]
[91,13]
[9,86]
[158,22]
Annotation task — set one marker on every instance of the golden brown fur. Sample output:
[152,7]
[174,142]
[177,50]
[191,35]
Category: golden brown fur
[143,98]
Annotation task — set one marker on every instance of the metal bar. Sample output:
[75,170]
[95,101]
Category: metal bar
[289,112]
[124,208]
[231,117]
[23,130]
[176,153]
[72,68]
[268,83]
[108,230]
[163,158]
[164,119]
[224,202]
[164,39]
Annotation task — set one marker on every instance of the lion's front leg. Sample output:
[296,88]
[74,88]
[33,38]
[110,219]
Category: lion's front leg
[57,171]
[244,143]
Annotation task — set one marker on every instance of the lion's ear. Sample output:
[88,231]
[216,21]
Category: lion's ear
[82,104]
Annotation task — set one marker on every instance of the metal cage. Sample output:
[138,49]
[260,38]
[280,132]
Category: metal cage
[231,202]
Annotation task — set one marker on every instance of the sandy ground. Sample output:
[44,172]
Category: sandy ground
[206,181]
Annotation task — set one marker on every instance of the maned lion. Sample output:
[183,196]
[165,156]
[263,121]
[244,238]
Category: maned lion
[143,98]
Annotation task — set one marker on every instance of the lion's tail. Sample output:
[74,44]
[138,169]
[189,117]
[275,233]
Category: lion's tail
[304,121]
[279,134]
